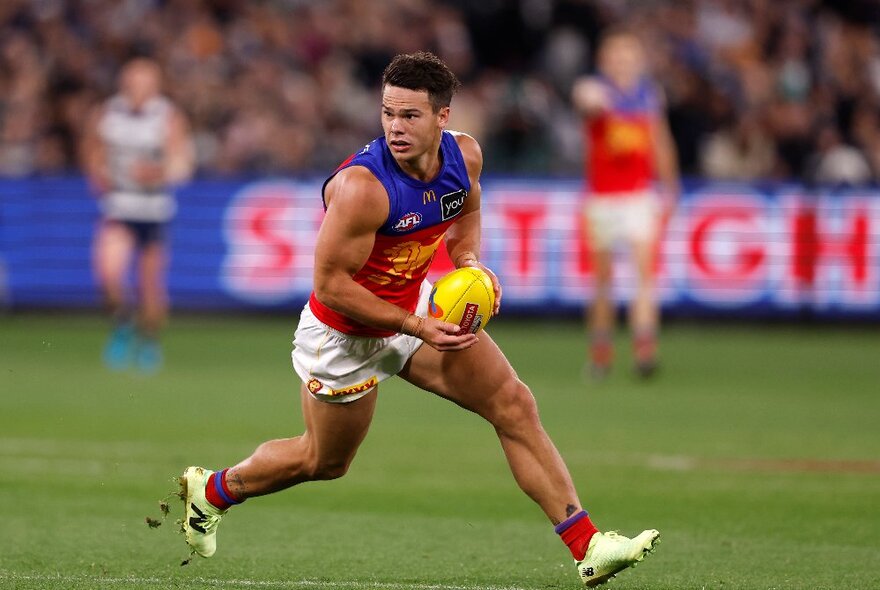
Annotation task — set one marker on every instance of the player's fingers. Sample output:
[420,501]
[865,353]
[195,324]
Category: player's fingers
[448,328]
[496,286]
[466,341]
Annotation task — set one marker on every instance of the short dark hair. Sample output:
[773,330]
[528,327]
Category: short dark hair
[423,71]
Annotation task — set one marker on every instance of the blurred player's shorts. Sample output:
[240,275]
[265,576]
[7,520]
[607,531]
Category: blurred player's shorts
[340,368]
[615,217]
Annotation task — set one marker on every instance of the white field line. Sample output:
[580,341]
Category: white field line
[235,583]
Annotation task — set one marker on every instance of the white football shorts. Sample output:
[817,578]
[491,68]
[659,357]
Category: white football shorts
[341,368]
[631,217]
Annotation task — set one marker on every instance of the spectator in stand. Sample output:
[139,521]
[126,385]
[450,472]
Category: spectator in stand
[240,68]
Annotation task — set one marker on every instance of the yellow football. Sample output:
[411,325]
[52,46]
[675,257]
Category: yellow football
[465,297]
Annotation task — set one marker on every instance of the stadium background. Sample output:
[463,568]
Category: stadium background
[758,454]
[773,107]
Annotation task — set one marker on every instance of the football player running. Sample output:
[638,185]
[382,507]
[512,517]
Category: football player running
[387,209]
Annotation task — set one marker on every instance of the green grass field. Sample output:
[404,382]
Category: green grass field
[756,453]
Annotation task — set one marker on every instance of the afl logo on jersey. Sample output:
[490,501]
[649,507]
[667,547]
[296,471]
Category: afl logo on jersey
[451,204]
[408,221]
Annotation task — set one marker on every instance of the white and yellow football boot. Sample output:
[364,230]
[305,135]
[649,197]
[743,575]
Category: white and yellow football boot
[201,519]
[610,553]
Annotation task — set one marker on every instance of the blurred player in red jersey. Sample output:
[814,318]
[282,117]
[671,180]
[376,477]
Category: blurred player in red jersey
[136,147]
[628,146]
[388,208]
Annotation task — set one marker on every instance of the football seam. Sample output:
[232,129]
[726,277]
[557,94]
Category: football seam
[462,296]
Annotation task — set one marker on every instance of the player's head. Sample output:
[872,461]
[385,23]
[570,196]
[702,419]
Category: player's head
[417,90]
[422,71]
[140,80]
[621,56]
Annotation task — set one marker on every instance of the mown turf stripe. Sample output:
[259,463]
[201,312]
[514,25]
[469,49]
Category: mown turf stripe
[234,583]
[126,458]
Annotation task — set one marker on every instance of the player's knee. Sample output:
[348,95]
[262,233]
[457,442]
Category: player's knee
[514,407]
[326,469]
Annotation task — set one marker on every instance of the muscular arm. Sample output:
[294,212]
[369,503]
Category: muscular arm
[463,237]
[356,208]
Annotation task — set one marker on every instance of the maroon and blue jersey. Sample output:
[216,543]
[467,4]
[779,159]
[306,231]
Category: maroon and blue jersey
[419,215]
[621,158]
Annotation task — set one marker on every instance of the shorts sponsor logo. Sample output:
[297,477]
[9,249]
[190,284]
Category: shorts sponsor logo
[314,385]
[408,221]
[359,388]
[434,310]
[451,204]
[470,319]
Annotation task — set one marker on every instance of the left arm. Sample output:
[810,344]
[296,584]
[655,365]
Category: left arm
[178,159]
[180,154]
[463,237]
[666,158]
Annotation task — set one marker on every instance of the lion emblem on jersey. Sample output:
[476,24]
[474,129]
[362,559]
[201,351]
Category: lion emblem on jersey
[407,260]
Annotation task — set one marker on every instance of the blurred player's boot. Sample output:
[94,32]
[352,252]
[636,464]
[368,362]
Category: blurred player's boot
[148,355]
[118,350]
[610,553]
[201,519]
[645,352]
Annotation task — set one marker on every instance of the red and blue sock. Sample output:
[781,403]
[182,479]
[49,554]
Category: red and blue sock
[217,492]
[576,532]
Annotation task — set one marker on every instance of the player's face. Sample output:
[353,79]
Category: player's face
[140,82]
[411,126]
[621,59]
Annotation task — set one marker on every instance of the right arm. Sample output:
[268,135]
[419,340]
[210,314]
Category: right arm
[357,206]
[93,153]
[590,97]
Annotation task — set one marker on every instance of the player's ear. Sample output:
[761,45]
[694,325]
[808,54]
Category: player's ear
[443,117]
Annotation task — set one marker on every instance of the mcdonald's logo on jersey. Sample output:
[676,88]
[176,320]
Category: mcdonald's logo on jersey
[429,197]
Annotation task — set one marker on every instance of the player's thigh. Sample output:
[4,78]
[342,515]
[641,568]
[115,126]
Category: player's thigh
[336,430]
[643,240]
[113,250]
[479,378]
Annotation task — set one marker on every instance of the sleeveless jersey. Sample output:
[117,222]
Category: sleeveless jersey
[129,136]
[419,215]
[620,157]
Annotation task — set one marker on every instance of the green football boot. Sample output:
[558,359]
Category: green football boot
[201,519]
[610,553]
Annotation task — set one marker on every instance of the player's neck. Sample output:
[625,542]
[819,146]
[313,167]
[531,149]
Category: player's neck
[424,168]
[624,83]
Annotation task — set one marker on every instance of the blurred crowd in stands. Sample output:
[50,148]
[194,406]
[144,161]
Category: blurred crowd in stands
[756,89]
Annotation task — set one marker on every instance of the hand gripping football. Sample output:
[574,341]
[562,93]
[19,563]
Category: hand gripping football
[465,297]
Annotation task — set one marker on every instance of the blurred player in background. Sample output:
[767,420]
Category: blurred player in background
[628,144]
[136,147]
[387,209]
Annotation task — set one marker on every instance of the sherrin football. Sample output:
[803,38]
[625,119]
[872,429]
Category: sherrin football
[465,297]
